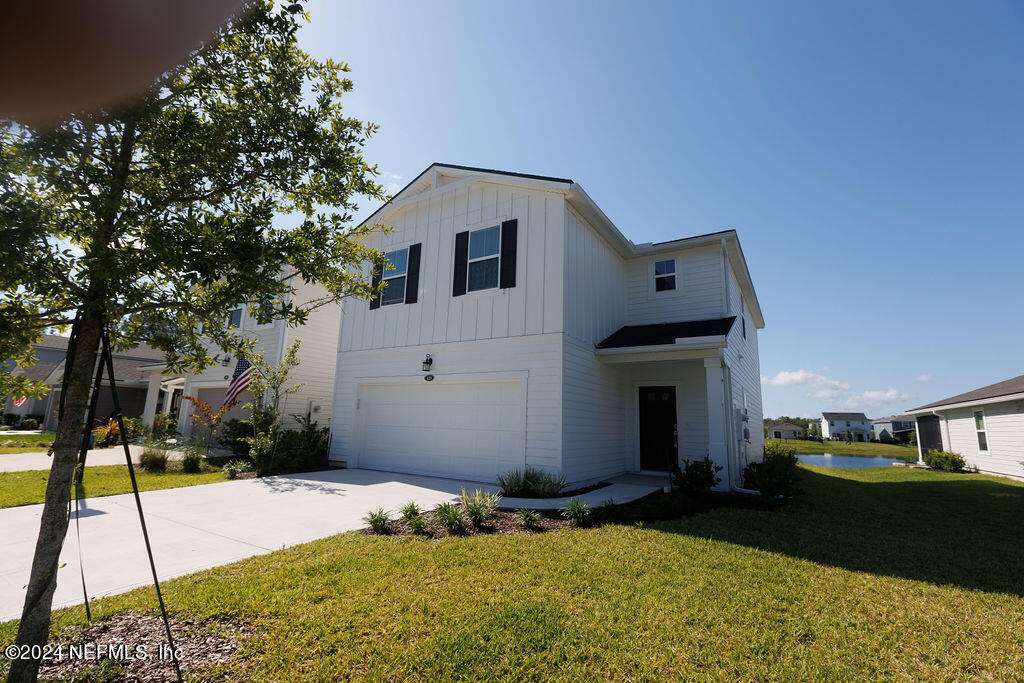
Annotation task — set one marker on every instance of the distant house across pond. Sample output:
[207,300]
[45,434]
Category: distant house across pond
[894,429]
[784,430]
[985,426]
[846,427]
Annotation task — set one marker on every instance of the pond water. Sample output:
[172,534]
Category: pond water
[848,461]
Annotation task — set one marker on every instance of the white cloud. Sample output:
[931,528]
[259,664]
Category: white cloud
[392,182]
[876,397]
[826,386]
[923,378]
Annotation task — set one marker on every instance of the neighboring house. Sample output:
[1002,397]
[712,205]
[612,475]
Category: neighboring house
[784,430]
[893,429]
[846,426]
[315,372]
[986,426]
[519,327]
[132,385]
[49,351]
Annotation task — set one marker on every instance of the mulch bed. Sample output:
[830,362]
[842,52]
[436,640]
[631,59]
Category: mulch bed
[503,522]
[564,494]
[201,644]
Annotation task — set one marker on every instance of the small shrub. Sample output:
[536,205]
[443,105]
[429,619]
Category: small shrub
[775,477]
[945,461]
[5,428]
[607,509]
[528,518]
[479,506]
[30,423]
[192,457]
[450,517]
[410,511]
[577,511]
[164,425]
[236,467]
[153,460]
[530,483]
[697,477]
[417,525]
[379,521]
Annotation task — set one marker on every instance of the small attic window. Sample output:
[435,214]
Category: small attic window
[665,275]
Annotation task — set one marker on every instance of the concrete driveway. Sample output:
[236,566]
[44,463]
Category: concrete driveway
[199,527]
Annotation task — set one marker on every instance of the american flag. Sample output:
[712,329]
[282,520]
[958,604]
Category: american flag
[20,401]
[239,381]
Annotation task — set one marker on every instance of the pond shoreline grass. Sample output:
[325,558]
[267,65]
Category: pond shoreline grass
[866,575]
[867,449]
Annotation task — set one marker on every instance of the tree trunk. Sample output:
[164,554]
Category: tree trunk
[35,618]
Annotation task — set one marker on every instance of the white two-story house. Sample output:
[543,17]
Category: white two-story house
[314,375]
[519,327]
[846,426]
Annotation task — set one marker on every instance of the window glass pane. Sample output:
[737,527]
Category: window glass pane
[663,284]
[665,267]
[982,441]
[394,290]
[979,419]
[484,242]
[398,260]
[236,318]
[483,274]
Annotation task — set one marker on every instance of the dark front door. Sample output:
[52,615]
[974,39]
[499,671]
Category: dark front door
[657,428]
[929,433]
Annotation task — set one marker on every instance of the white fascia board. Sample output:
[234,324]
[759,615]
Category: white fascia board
[1009,398]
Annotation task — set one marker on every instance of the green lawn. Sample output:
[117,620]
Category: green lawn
[872,573]
[25,443]
[855,448]
[25,488]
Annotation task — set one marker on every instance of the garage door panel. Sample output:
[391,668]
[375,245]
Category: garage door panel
[470,430]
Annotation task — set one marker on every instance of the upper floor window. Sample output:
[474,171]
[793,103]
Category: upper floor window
[484,257]
[394,276]
[979,427]
[235,318]
[665,275]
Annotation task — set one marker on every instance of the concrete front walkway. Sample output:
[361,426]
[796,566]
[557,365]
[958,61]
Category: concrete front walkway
[19,462]
[199,527]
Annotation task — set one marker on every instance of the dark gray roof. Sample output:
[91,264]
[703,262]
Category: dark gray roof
[1004,388]
[52,341]
[895,418]
[665,333]
[787,426]
[845,416]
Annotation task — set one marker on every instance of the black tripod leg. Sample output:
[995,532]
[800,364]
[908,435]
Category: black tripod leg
[108,359]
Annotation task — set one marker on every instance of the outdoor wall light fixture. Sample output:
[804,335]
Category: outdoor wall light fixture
[226,362]
[427,362]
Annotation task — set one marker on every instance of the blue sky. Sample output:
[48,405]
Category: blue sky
[870,155]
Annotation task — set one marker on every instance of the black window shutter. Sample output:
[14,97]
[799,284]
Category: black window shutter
[508,253]
[412,274]
[461,263]
[378,273]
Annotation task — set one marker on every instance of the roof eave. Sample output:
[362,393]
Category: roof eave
[925,410]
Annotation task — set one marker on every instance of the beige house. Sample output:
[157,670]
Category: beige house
[784,430]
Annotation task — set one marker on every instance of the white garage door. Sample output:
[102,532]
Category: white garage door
[470,430]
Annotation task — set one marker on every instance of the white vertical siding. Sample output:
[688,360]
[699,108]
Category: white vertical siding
[698,294]
[317,358]
[533,306]
[594,413]
[538,356]
[1004,430]
[741,355]
[595,288]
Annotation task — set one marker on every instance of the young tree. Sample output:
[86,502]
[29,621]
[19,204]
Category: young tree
[231,179]
[269,385]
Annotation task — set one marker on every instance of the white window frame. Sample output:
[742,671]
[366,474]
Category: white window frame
[488,257]
[983,430]
[394,275]
[654,277]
